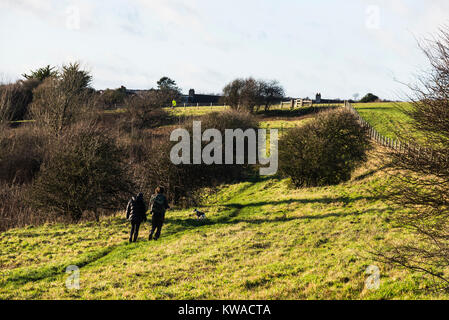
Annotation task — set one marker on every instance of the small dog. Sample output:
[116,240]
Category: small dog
[199,215]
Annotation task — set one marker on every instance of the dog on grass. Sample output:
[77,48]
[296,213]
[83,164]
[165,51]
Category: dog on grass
[199,215]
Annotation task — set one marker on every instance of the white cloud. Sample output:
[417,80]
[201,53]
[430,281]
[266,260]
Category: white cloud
[56,13]
[172,12]
[179,18]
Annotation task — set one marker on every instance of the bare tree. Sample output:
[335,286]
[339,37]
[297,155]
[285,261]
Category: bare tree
[61,98]
[248,94]
[145,110]
[271,92]
[420,188]
[232,92]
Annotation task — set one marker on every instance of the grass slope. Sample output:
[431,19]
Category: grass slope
[389,119]
[262,240]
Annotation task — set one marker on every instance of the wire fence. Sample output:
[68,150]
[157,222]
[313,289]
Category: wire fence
[384,141]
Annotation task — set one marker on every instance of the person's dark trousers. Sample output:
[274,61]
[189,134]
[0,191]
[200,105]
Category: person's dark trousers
[156,225]
[134,231]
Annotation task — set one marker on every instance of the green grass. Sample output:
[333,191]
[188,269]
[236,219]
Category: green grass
[388,119]
[193,111]
[262,240]
[283,124]
[201,110]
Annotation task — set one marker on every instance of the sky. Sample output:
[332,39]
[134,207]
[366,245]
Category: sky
[336,47]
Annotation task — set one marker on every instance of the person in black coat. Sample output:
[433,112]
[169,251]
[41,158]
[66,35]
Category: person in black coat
[158,204]
[136,213]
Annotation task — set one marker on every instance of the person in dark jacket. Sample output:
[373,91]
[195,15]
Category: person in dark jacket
[136,214]
[159,205]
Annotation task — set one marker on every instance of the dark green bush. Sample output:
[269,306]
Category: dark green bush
[325,151]
[369,98]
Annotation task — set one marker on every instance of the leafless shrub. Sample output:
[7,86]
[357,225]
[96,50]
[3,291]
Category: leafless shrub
[248,94]
[62,99]
[420,187]
[21,153]
[182,181]
[145,111]
[83,172]
[14,211]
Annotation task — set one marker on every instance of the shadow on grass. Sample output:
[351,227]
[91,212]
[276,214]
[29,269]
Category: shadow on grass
[232,217]
[308,217]
[345,200]
[377,108]
[28,274]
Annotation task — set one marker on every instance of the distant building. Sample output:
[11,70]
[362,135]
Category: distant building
[139,91]
[319,100]
[192,97]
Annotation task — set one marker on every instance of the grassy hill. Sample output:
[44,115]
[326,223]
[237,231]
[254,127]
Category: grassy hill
[262,240]
[389,119]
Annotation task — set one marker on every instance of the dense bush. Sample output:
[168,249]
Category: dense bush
[84,171]
[145,111]
[182,181]
[112,97]
[21,153]
[369,98]
[14,211]
[15,98]
[324,151]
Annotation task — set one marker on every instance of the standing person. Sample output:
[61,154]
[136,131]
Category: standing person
[159,205]
[136,214]
[173,104]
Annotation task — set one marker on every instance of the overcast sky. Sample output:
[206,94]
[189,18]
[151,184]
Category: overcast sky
[336,47]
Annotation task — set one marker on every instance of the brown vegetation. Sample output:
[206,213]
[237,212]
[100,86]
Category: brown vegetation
[420,176]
